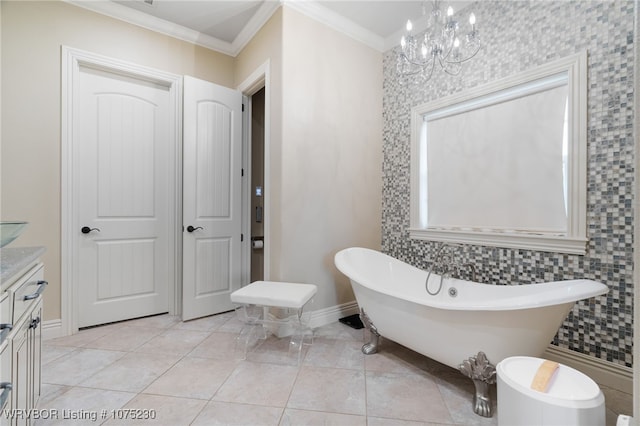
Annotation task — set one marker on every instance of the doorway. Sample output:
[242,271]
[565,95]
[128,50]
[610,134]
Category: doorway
[257,187]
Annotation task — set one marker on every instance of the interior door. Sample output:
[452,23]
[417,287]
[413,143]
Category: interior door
[125,197]
[212,217]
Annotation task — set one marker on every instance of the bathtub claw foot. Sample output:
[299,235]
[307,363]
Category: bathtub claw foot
[371,347]
[483,373]
[481,399]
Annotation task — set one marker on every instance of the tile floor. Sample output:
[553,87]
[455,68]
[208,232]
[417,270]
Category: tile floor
[190,374]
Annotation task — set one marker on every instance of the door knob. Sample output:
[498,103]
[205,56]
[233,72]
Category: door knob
[191,228]
[86,229]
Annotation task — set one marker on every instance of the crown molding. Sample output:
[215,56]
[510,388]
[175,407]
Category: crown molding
[256,22]
[338,22]
[141,19]
[311,9]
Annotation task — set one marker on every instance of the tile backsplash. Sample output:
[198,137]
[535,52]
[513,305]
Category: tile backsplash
[520,35]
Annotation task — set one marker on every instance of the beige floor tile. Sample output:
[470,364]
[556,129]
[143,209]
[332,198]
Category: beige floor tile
[52,352]
[232,325]
[197,378]
[132,373]
[293,417]
[209,323]
[125,338]
[258,383]
[176,342]
[378,421]
[406,397]
[231,414]
[78,366]
[275,350]
[457,392]
[161,410]
[396,388]
[216,345]
[337,330]
[82,406]
[84,336]
[329,389]
[336,353]
[49,392]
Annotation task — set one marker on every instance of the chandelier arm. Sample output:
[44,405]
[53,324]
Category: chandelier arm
[433,66]
[421,64]
[448,71]
[465,59]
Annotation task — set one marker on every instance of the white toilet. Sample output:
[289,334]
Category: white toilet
[571,398]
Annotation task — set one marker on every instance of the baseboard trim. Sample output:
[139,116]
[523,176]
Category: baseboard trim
[52,329]
[604,373]
[332,314]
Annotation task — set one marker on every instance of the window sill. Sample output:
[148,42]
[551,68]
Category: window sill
[537,242]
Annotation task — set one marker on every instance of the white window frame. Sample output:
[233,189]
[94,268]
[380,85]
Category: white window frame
[575,239]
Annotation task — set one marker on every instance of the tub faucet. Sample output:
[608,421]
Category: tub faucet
[441,264]
[446,266]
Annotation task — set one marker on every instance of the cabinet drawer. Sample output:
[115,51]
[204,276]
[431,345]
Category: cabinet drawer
[26,292]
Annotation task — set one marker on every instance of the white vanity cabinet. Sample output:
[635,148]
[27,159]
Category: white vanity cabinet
[21,313]
[26,365]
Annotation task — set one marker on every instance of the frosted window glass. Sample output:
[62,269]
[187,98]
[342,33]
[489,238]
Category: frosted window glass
[499,167]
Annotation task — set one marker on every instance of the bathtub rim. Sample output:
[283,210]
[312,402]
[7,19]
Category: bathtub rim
[588,288]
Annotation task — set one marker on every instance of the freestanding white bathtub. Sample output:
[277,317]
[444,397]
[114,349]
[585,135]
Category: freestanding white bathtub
[464,319]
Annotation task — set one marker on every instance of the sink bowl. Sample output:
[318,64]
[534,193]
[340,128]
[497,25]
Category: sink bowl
[9,231]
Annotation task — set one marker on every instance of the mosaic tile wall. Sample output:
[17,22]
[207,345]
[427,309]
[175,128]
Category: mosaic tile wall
[520,35]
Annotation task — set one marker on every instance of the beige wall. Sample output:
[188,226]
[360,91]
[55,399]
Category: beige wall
[325,122]
[32,33]
[331,153]
[325,148]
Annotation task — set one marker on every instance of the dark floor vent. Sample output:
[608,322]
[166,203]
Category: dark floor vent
[352,321]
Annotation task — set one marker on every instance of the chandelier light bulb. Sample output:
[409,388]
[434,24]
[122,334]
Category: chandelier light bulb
[456,43]
[450,11]
[424,50]
[472,19]
[409,25]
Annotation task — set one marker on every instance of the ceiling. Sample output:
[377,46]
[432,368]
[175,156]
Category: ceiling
[227,25]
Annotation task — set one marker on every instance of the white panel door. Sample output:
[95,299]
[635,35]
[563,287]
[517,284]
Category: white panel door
[125,198]
[212,127]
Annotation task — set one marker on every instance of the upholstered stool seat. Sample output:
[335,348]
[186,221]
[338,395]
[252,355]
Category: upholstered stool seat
[253,304]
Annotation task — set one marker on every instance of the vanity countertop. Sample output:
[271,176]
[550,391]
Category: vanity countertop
[14,260]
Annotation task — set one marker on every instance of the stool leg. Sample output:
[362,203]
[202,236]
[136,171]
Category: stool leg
[248,337]
[301,336]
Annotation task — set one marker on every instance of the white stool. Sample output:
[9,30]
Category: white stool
[253,303]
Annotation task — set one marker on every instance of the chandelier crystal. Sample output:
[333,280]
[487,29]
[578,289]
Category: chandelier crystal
[441,45]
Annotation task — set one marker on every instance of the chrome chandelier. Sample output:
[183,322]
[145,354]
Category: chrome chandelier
[441,45]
